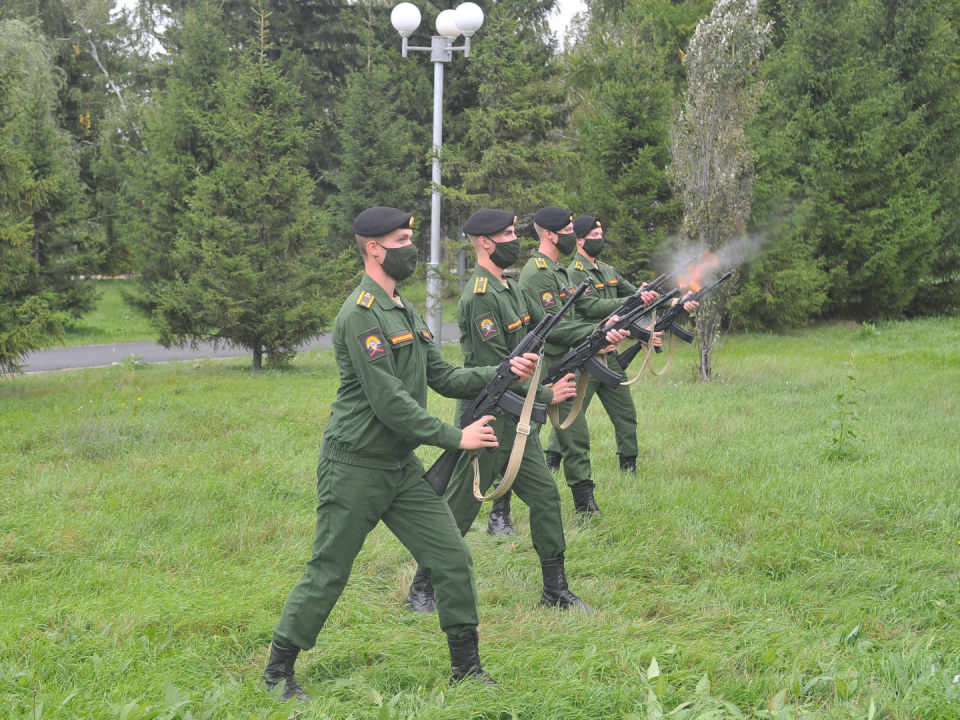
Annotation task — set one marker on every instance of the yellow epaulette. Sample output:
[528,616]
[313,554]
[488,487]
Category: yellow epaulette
[578,265]
[480,286]
[540,263]
[365,299]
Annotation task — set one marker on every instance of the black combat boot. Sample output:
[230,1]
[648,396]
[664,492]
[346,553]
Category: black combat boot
[556,593]
[421,598]
[499,523]
[553,460]
[628,463]
[280,670]
[583,501]
[465,660]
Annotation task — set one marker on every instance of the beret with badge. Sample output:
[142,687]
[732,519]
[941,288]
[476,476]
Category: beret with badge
[585,224]
[553,218]
[378,221]
[489,222]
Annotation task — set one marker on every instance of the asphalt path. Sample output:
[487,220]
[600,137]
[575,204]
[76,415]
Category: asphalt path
[89,356]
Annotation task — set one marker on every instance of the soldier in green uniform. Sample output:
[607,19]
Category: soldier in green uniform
[494,316]
[367,471]
[608,292]
[546,282]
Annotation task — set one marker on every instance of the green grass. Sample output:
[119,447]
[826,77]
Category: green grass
[111,321]
[147,546]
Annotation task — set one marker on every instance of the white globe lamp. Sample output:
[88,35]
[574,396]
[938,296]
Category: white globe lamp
[447,24]
[469,18]
[405,18]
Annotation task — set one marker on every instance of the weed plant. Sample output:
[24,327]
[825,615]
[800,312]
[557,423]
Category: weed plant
[147,546]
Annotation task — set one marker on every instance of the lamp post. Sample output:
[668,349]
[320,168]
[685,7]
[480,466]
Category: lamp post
[465,20]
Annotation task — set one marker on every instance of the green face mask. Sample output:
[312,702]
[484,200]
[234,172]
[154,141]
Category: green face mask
[593,246]
[399,263]
[505,254]
[566,242]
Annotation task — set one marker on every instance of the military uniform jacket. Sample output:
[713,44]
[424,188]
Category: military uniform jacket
[493,319]
[387,359]
[546,284]
[608,291]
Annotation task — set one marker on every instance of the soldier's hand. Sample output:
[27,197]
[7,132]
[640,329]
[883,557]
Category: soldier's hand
[478,435]
[648,297]
[689,306]
[615,337]
[656,339]
[564,388]
[524,366]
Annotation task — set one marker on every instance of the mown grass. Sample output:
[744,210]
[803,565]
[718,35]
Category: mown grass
[147,546]
[111,321]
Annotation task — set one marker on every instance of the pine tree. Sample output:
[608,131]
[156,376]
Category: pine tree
[623,112]
[26,320]
[251,239]
[65,245]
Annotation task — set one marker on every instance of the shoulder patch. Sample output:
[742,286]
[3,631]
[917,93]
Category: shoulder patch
[514,325]
[425,334]
[578,265]
[365,299]
[526,319]
[540,263]
[564,291]
[480,286]
[487,326]
[613,282]
[599,286]
[401,338]
[547,299]
[372,344]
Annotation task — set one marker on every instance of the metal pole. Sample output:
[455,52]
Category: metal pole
[434,287]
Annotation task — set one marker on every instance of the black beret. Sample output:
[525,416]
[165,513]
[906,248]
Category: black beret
[377,221]
[553,218]
[585,224]
[489,222]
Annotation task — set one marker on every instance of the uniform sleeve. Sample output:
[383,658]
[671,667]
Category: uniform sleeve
[388,397]
[536,285]
[452,381]
[625,288]
[593,307]
[567,332]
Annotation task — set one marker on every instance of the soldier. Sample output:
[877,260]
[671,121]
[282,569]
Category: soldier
[546,282]
[494,316]
[609,290]
[367,470]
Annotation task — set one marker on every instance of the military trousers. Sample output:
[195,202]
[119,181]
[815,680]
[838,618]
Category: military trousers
[351,501]
[574,442]
[534,485]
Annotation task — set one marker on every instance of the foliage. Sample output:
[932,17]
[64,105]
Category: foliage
[623,112]
[712,171]
[143,547]
[251,240]
[843,439]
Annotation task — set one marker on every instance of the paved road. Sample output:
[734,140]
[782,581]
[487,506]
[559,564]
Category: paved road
[86,356]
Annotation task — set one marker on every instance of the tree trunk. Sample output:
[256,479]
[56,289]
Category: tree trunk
[257,358]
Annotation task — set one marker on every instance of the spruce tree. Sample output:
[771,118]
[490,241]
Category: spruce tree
[250,238]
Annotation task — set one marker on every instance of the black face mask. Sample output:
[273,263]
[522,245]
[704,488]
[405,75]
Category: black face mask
[505,254]
[593,246]
[399,263]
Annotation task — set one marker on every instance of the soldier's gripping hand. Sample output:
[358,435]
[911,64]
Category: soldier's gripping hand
[524,365]
[564,388]
[656,339]
[478,435]
[688,306]
[614,337]
[648,297]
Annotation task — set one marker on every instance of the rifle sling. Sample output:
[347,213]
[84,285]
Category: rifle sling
[553,411]
[516,455]
[648,353]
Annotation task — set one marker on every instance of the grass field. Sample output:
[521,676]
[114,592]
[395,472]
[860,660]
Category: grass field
[111,321]
[153,518]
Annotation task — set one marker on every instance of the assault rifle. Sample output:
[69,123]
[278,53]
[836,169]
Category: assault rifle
[496,397]
[668,320]
[642,334]
[582,357]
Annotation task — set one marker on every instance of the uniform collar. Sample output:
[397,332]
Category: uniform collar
[493,282]
[550,263]
[379,294]
[587,265]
